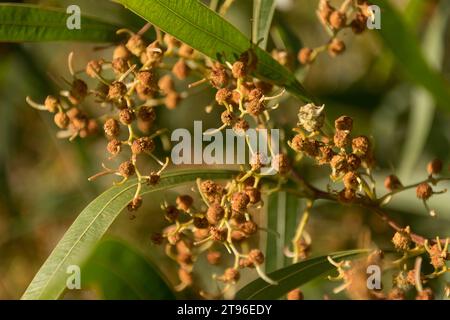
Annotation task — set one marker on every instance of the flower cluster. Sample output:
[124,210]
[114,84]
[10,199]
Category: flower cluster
[351,14]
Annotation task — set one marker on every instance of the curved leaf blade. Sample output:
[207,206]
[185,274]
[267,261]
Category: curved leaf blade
[92,223]
[24,22]
[406,49]
[263,11]
[108,269]
[292,277]
[204,30]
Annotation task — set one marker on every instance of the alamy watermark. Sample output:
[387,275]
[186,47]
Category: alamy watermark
[261,145]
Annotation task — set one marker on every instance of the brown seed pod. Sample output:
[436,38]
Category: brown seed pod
[231,275]
[437,257]
[239,70]
[396,294]
[114,147]
[434,166]
[337,20]
[148,79]
[143,144]
[184,202]
[256,256]
[111,128]
[336,47]
[146,113]
[200,223]
[343,123]
[121,52]
[240,126]
[361,146]
[425,294]
[215,213]
[127,116]
[51,104]
[253,194]
[280,162]
[180,69]
[186,51]
[223,96]
[341,138]
[325,10]
[172,213]
[351,180]
[347,195]
[136,45]
[218,234]
[326,153]
[246,263]
[339,164]
[308,146]
[154,52]
[120,65]
[227,118]
[392,183]
[166,84]
[94,67]
[126,169]
[117,90]
[61,120]
[78,91]
[359,23]
[305,56]
[153,178]
[353,162]
[239,201]
[402,239]
[424,191]
[295,294]
[255,107]
[185,277]
[135,204]
[249,227]
[171,100]
[218,76]
[214,257]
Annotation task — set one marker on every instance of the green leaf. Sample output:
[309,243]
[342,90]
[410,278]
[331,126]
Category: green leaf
[292,277]
[204,30]
[108,270]
[92,223]
[405,47]
[24,22]
[263,11]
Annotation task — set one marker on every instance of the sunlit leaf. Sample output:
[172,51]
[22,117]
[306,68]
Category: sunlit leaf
[292,277]
[92,223]
[24,22]
[203,29]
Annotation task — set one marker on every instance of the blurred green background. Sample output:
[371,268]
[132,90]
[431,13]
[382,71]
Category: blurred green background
[43,180]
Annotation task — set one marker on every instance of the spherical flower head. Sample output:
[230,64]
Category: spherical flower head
[256,256]
[295,294]
[311,117]
[215,213]
[402,239]
[424,191]
[184,202]
[392,182]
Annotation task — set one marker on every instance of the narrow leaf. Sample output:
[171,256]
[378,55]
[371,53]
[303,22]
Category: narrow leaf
[24,22]
[263,11]
[292,277]
[204,30]
[91,225]
[108,269]
[405,47]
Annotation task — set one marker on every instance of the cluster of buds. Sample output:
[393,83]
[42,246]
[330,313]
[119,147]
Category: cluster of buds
[351,14]
[129,87]
[240,94]
[348,157]
[224,220]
